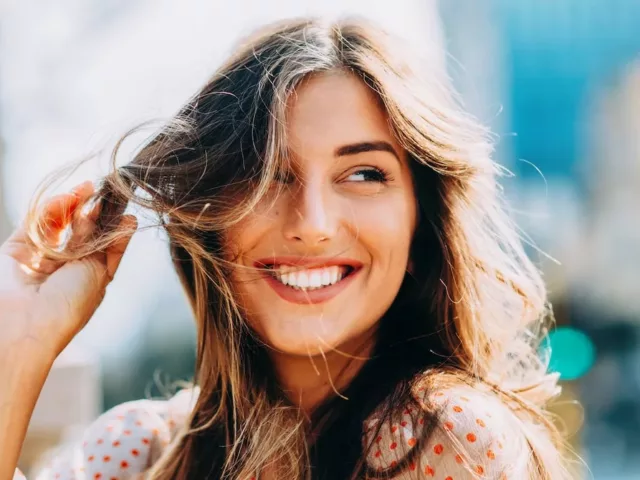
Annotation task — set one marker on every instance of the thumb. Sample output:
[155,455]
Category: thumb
[81,284]
[115,252]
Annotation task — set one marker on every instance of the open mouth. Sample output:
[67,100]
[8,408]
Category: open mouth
[309,279]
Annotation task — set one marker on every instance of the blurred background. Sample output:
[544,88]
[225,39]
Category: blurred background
[557,80]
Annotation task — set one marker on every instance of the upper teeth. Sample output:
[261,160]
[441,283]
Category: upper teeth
[310,278]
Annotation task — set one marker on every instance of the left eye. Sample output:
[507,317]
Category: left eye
[367,175]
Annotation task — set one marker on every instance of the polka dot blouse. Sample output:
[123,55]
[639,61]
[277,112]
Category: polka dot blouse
[474,439]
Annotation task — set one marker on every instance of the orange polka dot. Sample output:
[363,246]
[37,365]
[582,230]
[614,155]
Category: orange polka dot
[146,441]
[448,426]
[412,466]
[458,459]
[100,441]
[479,469]
[403,423]
[393,464]
[411,442]
[394,428]
[97,476]
[135,452]
[428,470]
[126,432]
[106,458]
[491,455]
[449,478]
[114,478]
[138,423]
[393,446]
[438,449]
[471,437]
[480,422]
[155,432]
[116,443]
[379,438]
[421,421]
[90,458]
[124,464]
[377,454]
[457,409]
[109,428]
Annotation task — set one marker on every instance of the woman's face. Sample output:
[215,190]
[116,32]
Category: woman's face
[336,240]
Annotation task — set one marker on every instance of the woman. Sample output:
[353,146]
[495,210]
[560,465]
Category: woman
[364,307]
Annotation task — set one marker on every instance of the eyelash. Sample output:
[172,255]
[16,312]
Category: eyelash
[381,175]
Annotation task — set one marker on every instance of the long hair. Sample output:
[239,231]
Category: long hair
[472,310]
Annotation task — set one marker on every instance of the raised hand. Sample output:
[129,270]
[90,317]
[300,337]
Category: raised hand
[45,302]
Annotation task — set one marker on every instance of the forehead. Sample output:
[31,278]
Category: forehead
[332,109]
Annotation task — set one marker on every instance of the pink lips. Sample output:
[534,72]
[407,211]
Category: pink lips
[315,296]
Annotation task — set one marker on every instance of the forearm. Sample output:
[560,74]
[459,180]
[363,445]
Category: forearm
[22,377]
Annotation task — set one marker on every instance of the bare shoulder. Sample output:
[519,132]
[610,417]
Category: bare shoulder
[458,432]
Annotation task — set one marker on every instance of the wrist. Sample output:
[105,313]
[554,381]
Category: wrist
[24,363]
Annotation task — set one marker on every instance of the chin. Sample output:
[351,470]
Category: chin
[297,338]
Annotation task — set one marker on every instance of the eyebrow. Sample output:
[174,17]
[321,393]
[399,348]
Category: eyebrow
[361,147]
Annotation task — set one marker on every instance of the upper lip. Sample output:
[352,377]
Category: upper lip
[308,262]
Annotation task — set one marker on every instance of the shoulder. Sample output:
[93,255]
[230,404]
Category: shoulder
[458,433]
[123,441]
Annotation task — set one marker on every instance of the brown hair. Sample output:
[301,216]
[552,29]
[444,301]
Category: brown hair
[472,313]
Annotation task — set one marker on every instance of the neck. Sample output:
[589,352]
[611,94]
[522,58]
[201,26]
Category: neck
[309,380]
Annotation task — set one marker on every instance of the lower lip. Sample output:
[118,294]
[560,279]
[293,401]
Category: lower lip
[310,297]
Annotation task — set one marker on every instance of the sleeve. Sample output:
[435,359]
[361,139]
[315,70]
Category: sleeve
[475,438]
[121,443]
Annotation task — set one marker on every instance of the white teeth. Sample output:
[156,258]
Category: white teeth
[315,279]
[311,278]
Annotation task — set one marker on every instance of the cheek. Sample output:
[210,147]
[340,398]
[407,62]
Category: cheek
[386,227]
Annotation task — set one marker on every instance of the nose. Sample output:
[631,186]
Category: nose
[312,220]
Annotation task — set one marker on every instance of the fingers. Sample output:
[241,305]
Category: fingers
[58,212]
[52,218]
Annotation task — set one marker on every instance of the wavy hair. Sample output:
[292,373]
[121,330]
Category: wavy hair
[472,311]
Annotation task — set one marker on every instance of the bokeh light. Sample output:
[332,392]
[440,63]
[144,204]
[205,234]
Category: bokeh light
[572,352]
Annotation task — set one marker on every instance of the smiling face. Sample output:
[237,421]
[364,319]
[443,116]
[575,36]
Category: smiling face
[336,240]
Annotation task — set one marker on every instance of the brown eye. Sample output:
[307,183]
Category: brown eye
[368,174]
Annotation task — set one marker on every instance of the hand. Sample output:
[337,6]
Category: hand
[44,303]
